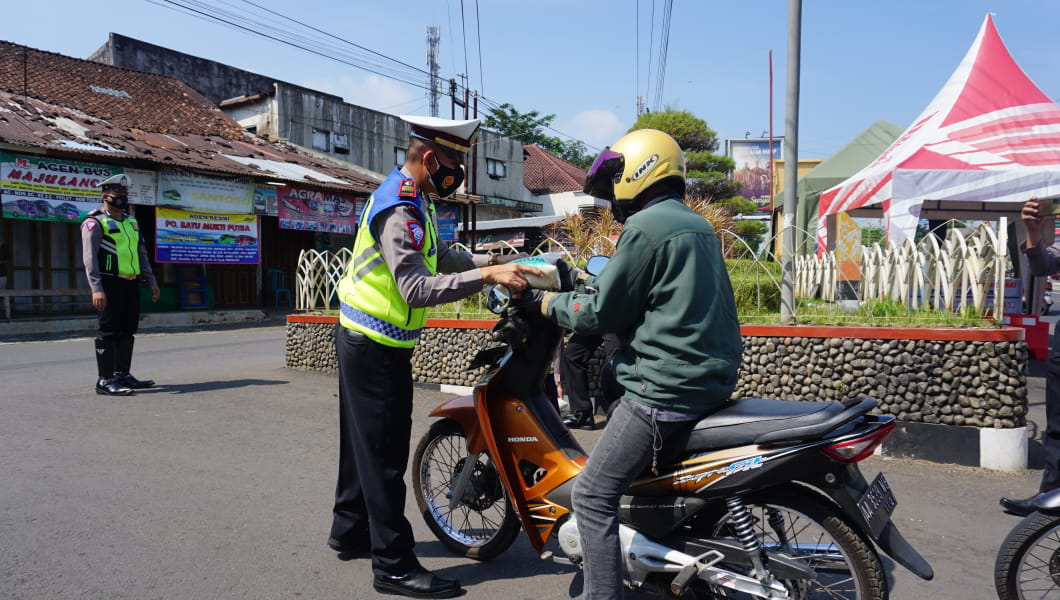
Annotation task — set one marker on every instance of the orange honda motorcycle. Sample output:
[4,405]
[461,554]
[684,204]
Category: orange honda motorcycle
[760,499]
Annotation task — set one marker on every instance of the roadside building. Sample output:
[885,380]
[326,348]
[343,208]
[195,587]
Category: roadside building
[222,211]
[326,125]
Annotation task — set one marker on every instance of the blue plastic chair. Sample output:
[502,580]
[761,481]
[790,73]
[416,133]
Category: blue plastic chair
[278,285]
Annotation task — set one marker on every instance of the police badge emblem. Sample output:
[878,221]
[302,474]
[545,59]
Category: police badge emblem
[416,233]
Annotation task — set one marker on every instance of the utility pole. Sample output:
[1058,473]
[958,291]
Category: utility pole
[640,105]
[434,82]
[791,162]
[474,181]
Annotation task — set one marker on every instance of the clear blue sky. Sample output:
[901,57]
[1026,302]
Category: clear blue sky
[861,61]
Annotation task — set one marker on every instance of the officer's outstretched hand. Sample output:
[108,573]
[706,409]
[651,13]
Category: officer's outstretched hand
[155,293]
[99,301]
[510,275]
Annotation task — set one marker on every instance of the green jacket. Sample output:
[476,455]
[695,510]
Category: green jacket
[666,293]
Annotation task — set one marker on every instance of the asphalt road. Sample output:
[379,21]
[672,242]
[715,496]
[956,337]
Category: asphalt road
[218,484]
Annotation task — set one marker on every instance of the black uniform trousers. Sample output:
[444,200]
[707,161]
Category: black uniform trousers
[574,367]
[375,428]
[1051,437]
[121,317]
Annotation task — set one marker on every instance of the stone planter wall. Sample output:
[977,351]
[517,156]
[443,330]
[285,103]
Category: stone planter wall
[977,379]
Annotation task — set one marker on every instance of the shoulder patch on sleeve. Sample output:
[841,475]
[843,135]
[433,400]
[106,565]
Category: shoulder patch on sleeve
[416,234]
[90,224]
[407,189]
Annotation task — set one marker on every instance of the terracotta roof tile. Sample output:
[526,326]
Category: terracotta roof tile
[546,173]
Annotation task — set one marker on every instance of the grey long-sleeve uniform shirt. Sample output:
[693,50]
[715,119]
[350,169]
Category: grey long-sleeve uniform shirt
[459,276]
[90,239]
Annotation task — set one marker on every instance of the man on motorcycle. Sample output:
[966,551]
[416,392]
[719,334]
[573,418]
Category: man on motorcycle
[666,293]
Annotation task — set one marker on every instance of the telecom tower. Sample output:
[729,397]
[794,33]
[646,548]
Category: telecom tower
[434,82]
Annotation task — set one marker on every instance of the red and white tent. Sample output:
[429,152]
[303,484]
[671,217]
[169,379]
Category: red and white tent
[990,136]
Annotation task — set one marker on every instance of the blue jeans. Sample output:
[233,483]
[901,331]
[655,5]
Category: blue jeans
[624,452]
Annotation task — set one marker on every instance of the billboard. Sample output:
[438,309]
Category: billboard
[207,238]
[446,218]
[752,167]
[314,210]
[201,193]
[46,189]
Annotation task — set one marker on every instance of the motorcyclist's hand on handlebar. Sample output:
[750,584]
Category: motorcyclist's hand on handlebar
[536,300]
[511,275]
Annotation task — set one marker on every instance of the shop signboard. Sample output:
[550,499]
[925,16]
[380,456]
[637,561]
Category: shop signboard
[205,238]
[751,159]
[265,201]
[446,217]
[313,210]
[143,186]
[204,194]
[46,189]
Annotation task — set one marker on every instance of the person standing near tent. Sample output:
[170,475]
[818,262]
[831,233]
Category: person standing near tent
[1043,261]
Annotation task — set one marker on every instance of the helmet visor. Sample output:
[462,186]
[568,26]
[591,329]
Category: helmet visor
[601,176]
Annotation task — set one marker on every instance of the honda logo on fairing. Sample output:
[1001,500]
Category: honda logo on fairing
[645,166]
[527,438]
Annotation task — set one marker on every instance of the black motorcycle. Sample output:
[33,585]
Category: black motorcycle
[1028,563]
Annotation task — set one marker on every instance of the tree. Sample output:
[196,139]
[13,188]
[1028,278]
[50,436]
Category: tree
[529,128]
[707,173]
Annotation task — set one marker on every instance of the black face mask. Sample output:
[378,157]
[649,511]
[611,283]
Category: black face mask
[117,201]
[446,180]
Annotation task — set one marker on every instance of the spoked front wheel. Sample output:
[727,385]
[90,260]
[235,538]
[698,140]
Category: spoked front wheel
[808,529]
[485,523]
[1028,563]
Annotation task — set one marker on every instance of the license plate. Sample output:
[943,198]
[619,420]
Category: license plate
[877,504]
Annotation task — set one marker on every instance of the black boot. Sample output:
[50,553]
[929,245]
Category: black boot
[124,361]
[580,420]
[106,385]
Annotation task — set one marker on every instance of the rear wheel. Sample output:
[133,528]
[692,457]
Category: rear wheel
[808,528]
[1028,563]
[485,524]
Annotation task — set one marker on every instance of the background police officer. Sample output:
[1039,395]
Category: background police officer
[390,281]
[115,260]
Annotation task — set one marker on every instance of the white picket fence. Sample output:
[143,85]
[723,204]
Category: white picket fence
[960,272]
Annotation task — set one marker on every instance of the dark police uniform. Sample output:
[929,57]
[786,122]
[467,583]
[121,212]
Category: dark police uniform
[115,262]
[391,280]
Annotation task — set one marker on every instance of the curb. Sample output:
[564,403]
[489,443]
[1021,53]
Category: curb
[148,320]
[988,448]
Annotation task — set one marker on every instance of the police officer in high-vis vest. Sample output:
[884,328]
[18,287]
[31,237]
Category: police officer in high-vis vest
[115,262]
[391,280]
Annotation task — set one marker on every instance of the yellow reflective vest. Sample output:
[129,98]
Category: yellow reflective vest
[369,299]
[119,250]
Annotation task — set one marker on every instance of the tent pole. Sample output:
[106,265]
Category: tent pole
[791,162]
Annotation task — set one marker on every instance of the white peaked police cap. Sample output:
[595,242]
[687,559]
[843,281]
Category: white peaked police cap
[119,180]
[457,136]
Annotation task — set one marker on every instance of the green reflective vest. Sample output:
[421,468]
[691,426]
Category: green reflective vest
[119,250]
[369,299]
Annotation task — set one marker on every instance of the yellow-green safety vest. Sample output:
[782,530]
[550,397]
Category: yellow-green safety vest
[369,299]
[119,250]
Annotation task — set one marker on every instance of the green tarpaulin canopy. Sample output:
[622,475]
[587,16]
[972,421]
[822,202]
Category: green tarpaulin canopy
[850,159]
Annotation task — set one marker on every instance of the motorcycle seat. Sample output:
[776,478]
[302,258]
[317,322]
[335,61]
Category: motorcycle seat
[756,420]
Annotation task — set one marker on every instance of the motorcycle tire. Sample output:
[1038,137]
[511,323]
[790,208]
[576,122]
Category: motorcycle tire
[504,533]
[1021,540]
[859,553]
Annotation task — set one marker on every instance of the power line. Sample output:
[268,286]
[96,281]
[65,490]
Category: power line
[463,29]
[651,47]
[478,35]
[664,47]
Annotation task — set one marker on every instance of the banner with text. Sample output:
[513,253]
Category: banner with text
[45,189]
[752,160]
[446,218]
[200,193]
[208,238]
[313,210]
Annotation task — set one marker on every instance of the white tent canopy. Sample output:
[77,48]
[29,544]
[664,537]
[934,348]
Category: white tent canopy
[990,137]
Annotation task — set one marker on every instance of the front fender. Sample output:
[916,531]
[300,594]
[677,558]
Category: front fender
[462,411]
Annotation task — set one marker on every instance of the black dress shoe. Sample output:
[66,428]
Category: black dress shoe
[1020,508]
[354,544]
[111,387]
[129,381]
[418,583]
[580,420]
